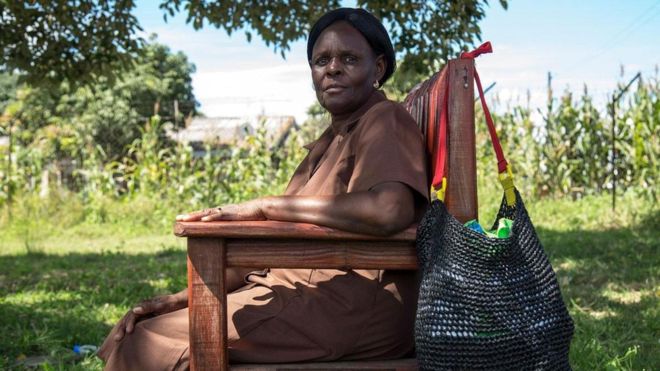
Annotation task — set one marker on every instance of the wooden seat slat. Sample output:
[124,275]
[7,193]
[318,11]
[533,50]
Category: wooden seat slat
[405,364]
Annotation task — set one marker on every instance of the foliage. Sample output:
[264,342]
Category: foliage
[569,153]
[159,81]
[7,90]
[566,154]
[154,169]
[222,175]
[70,129]
[403,81]
[427,33]
[424,32]
[67,40]
[78,41]
[638,145]
[318,119]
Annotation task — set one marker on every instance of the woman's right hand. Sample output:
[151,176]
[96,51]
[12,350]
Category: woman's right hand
[248,210]
[151,308]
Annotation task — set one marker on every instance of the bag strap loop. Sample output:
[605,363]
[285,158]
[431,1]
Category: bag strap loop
[482,49]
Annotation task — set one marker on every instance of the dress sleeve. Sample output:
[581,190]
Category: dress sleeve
[389,148]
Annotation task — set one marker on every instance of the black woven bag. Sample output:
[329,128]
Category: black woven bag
[487,303]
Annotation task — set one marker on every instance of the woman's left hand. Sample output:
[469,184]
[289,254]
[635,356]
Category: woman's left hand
[250,210]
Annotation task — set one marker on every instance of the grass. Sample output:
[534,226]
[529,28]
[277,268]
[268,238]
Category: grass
[65,280]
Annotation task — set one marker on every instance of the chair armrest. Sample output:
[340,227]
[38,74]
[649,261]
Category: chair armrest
[277,230]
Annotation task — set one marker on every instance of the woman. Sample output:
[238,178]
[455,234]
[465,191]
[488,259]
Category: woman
[366,173]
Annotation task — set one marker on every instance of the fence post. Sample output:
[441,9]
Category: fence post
[615,100]
[176,113]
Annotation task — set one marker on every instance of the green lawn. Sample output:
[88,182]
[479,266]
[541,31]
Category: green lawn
[66,284]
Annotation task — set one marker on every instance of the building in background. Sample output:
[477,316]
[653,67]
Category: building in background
[219,132]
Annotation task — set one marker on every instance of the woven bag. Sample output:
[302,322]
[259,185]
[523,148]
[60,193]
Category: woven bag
[486,303]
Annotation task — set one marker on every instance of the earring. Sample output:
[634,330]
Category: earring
[376,84]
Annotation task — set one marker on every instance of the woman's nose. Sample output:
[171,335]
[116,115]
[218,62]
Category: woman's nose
[334,66]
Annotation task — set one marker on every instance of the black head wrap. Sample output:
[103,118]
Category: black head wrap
[367,24]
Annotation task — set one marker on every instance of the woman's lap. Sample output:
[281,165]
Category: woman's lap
[265,326]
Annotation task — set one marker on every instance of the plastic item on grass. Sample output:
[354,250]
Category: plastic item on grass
[85,349]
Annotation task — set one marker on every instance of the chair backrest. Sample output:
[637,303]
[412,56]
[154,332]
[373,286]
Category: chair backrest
[426,102]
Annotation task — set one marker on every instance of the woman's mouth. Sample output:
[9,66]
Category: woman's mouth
[334,89]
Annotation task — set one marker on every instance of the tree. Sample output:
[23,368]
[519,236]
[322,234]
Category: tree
[77,39]
[160,81]
[74,40]
[64,120]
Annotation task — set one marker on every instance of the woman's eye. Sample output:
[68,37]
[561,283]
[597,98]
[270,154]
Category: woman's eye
[321,61]
[350,59]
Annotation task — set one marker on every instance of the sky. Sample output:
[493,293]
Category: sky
[579,42]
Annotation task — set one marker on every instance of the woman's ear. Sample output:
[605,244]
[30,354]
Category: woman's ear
[381,65]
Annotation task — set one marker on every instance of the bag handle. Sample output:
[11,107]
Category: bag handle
[505,174]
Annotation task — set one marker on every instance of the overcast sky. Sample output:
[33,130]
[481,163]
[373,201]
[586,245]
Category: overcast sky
[579,42]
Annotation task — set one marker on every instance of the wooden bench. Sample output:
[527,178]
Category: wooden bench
[212,247]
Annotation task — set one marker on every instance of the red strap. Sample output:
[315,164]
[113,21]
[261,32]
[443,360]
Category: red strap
[436,112]
[441,148]
[482,49]
[501,161]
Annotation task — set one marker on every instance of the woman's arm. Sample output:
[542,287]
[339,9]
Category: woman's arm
[385,209]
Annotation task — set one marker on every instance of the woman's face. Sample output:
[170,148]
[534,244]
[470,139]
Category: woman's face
[344,69]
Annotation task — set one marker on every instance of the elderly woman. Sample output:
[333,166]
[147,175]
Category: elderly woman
[366,173]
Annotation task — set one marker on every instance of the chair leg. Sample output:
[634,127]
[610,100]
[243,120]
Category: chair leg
[207,304]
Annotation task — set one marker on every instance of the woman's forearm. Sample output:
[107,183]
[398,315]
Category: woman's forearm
[383,210]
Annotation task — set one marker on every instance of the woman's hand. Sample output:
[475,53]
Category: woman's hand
[151,308]
[250,210]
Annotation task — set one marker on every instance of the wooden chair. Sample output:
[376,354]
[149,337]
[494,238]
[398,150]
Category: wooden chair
[212,247]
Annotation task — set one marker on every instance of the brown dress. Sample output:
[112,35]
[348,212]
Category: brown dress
[294,315]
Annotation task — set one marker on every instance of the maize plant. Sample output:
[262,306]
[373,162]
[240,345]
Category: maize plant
[569,152]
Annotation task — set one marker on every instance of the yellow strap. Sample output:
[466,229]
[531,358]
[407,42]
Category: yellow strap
[506,180]
[440,193]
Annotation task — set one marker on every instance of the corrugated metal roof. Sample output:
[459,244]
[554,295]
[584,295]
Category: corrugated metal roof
[227,130]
